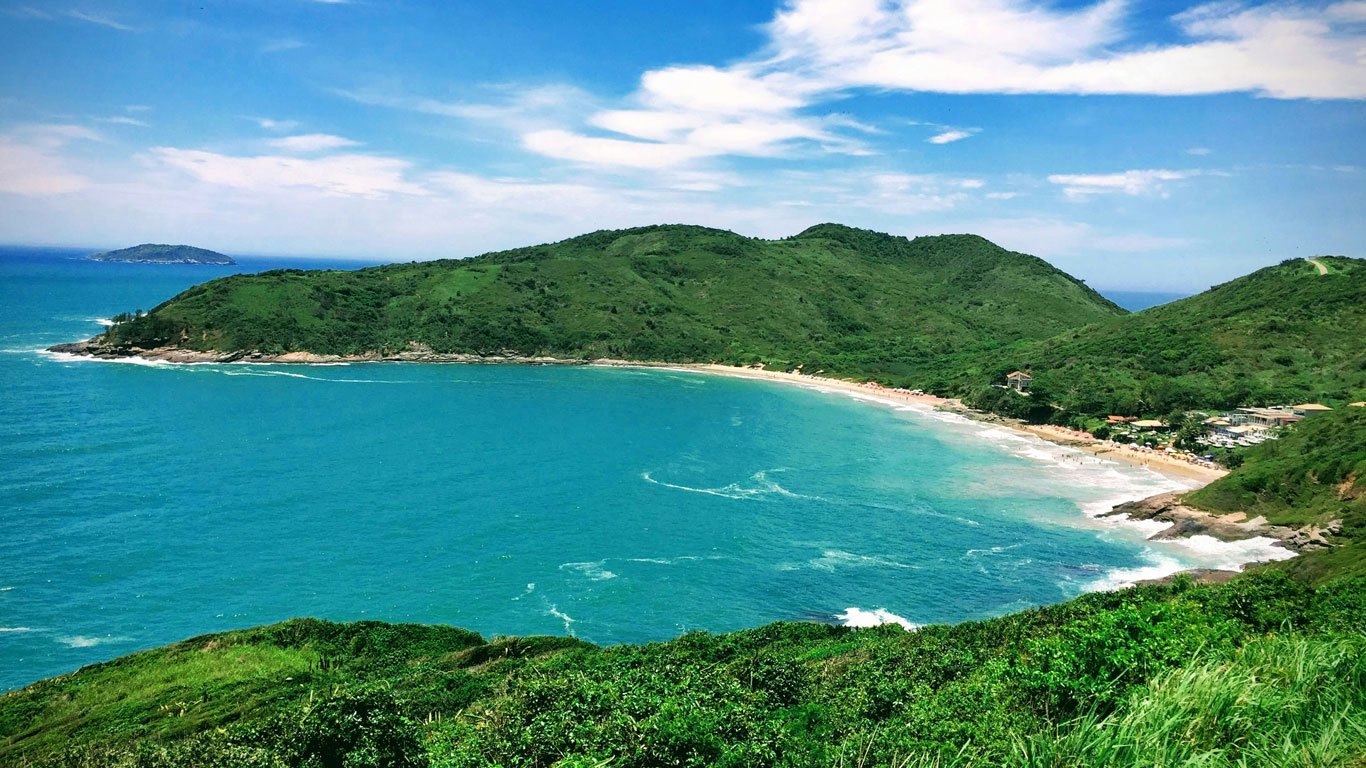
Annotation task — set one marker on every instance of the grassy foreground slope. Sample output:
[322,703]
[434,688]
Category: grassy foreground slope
[849,301]
[1284,334]
[1258,672]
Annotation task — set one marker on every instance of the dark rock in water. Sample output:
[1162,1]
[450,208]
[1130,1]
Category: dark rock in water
[150,253]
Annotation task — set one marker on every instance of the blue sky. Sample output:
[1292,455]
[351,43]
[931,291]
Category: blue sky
[1142,145]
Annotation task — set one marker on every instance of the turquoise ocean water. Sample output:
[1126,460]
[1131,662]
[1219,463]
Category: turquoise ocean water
[141,504]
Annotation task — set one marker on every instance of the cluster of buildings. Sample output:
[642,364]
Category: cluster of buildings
[1249,426]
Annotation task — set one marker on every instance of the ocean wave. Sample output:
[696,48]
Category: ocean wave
[104,321]
[554,610]
[85,641]
[760,487]
[858,617]
[16,629]
[831,559]
[672,560]
[595,570]
[67,357]
[1201,552]
[991,550]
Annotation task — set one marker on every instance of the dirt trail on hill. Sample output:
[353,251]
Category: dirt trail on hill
[1320,266]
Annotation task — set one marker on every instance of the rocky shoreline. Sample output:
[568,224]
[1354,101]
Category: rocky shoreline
[414,354]
[1187,521]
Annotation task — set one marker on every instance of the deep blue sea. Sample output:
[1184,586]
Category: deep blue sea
[144,503]
[1135,301]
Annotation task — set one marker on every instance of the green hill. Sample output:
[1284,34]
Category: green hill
[152,253]
[1259,672]
[852,302]
[1281,335]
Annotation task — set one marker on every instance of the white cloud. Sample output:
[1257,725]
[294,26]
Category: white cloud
[271,124]
[1060,237]
[949,136]
[101,19]
[715,91]
[350,175]
[1002,195]
[281,44]
[1198,151]
[820,50]
[1013,46]
[30,163]
[566,145]
[312,142]
[1138,182]
[123,120]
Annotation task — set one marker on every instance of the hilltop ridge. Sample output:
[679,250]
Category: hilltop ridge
[834,298]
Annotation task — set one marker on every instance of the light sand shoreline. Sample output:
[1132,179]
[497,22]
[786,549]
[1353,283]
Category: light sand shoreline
[1170,466]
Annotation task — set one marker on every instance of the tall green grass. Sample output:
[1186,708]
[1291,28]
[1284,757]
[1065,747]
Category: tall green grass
[1290,701]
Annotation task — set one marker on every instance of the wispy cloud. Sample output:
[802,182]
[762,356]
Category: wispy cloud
[123,120]
[103,20]
[1198,151]
[1137,182]
[312,142]
[31,164]
[271,124]
[349,175]
[281,44]
[948,137]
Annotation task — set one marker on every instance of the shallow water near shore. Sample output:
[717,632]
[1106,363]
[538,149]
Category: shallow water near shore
[145,503]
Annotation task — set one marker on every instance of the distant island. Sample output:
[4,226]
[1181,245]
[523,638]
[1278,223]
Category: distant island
[151,253]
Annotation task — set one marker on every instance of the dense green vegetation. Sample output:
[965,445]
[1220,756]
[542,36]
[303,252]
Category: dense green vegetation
[950,314]
[152,253]
[832,298]
[1281,335]
[1252,673]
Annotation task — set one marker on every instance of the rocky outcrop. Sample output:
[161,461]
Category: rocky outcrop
[1189,521]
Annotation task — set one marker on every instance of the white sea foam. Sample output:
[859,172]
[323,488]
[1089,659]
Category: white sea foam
[67,357]
[595,570]
[554,610]
[831,559]
[16,629]
[858,617]
[759,487]
[106,322]
[990,550]
[671,560]
[85,641]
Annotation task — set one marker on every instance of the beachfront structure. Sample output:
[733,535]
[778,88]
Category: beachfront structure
[1309,409]
[1150,424]
[1265,417]
[1019,381]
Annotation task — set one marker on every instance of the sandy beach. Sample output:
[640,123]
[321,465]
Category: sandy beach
[1171,466]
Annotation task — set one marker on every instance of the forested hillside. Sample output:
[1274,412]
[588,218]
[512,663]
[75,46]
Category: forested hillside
[848,301]
[1281,335]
